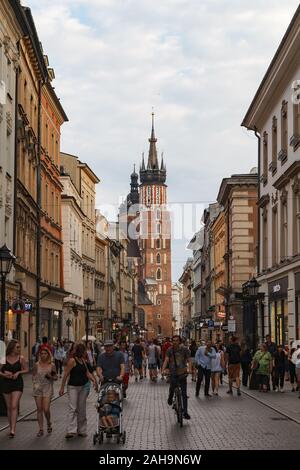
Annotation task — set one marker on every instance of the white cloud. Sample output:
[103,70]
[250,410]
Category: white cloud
[198,62]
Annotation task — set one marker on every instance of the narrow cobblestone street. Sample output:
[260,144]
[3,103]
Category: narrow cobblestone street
[218,423]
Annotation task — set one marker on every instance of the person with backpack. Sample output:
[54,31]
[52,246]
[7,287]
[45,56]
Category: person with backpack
[233,362]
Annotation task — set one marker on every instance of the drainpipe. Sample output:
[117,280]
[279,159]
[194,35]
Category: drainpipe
[258,196]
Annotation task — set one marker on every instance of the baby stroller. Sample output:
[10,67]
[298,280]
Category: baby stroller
[109,413]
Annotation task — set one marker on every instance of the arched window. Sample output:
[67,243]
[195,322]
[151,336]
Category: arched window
[158,243]
[158,229]
[159,330]
[158,274]
[158,258]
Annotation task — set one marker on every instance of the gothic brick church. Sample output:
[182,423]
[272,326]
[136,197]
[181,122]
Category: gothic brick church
[147,212]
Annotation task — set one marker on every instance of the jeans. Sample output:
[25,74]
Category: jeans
[182,382]
[206,373]
[278,377]
[58,366]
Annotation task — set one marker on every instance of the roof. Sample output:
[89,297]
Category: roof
[235,180]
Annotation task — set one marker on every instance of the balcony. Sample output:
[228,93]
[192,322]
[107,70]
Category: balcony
[295,141]
[282,156]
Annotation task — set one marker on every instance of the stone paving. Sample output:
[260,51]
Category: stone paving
[224,422]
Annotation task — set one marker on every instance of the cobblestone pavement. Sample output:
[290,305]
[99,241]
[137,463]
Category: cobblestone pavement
[224,422]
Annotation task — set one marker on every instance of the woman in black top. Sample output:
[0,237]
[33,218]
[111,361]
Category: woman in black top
[12,382]
[79,373]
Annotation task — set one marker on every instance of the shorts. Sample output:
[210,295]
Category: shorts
[234,371]
[152,366]
[138,363]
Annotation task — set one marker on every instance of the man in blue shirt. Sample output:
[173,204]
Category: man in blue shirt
[203,358]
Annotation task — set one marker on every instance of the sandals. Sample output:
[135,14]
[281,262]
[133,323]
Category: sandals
[11,435]
[40,433]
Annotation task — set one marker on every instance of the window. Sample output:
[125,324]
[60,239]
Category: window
[158,243]
[274,236]
[284,225]
[52,146]
[265,158]
[296,218]
[158,316]
[47,139]
[158,274]
[158,302]
[295,139]
[158,229]
[274,145]
[284,132]
[265,239]
[158,258]
[158,214]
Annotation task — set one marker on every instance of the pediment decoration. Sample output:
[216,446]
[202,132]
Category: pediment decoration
[275,197]
[296,185]
[283,196]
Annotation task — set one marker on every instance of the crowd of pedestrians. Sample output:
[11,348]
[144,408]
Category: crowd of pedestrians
[271,367]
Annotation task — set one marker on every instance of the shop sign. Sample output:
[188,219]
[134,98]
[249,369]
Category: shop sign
[231,326]
[278,288]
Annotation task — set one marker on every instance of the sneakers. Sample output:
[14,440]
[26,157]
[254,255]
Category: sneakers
[170,401]
[186,416]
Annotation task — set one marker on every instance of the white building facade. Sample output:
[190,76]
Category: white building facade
[275,115]
[177,308]
[72,219]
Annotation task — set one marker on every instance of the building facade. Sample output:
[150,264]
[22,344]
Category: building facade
[51,259]
[12,28]
[274,115]
[238,198]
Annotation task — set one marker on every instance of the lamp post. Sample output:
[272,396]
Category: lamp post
[88,306]
[250,297]
[6,261]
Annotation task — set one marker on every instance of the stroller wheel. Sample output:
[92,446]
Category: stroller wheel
[124,437]
[95,439]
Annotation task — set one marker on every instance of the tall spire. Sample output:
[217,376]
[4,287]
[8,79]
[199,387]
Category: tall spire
[152,159]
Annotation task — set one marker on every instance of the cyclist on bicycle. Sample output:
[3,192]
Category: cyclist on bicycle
[177,360]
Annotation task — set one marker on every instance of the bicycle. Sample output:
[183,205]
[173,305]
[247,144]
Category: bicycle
[178,401]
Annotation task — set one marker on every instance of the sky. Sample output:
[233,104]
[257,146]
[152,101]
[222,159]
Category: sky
[196,63]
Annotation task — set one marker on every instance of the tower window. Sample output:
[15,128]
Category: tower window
[158,214]
[158,243]
[158,228]
[158,258]
[158,274]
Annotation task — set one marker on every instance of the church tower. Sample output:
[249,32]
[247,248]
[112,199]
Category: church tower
[155,243]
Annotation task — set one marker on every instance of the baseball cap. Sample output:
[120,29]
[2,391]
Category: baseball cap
[108,342]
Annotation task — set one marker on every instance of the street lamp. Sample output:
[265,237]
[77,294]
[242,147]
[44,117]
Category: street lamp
[6,261]
[250,297]
[88,306]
